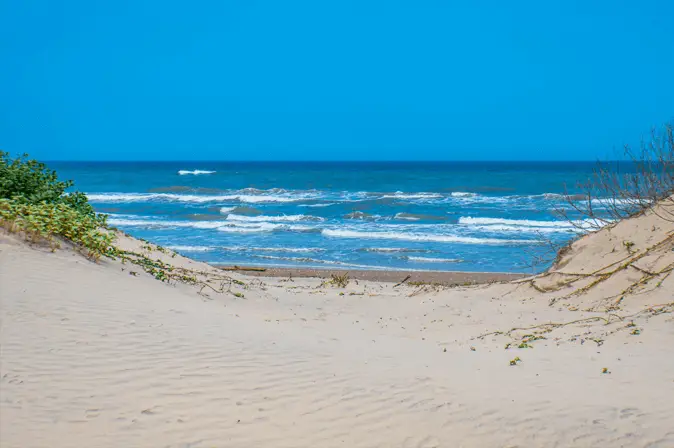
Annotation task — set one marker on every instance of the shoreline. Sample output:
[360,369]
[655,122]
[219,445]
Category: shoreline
[388,276]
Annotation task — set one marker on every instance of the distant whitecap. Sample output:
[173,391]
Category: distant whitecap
[195,172]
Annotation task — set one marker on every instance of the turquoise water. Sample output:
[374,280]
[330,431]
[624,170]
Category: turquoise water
[427,216]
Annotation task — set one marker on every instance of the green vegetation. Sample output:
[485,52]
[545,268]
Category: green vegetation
[35,203]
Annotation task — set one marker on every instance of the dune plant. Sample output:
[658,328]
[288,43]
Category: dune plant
[642,181]
[617,190]
[36,204]
[54,222]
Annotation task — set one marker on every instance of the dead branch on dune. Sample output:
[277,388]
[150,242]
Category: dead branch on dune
[610,318]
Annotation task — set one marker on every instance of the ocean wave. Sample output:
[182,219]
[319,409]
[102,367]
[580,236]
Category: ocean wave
[265,227]
[221,226]
[255,199]
[272,249]
[386,250]
[401,195]
[168,197]
[191,248]
[240,210]
[407,217]
[502,228]
[318,261]
[120,216]
[281,218]
[151,197]
[422,237]
[513,222]
[243,229]
[318,198]
[313,266]
[619,201]
[433,260]
[286,249]
[553,196]
[362,216]
[418,217]
[317,205]
[165,224]
[195,172]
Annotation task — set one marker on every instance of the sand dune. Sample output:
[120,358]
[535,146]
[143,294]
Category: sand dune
[93,356]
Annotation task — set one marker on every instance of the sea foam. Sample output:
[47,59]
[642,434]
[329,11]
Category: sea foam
[195,172]
[192,248]
[422,237]
[513,222]
[433,260]
[281,218]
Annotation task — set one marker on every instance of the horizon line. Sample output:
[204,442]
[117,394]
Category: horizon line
[336,161]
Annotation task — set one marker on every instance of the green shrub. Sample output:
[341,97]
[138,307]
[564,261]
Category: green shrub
[34,202]
[50,222]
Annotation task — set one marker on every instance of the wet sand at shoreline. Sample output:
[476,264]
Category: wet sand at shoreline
[389,276]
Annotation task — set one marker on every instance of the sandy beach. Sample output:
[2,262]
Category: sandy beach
[439,277]
[104,355]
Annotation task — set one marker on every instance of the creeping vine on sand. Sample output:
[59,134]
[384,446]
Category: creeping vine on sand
[611,318]
[207,281]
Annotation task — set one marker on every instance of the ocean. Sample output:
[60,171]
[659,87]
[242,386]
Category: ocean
[446,216]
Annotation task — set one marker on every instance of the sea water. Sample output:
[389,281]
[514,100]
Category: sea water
[460,216]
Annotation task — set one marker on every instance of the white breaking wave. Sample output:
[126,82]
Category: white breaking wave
[317,205]
[192,248]
[406,217]
[386,250]
[243,229]
[619,201]
[250,227]
[119,216]
[282,218]
[167,224]
[255,199]
[513,222]
[263,227]
[421,237]
[434,260]
[523,229]
[222,226]
[195,172]
[273,249]
[225,210]
[463,194]
[286,249]
[317,266]
[555,196]
[150,197]
[167,197]
[319,261]
[401,195]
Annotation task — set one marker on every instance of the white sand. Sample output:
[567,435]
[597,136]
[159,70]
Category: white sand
[94,357]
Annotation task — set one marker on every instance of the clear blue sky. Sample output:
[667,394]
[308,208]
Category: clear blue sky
[332,79]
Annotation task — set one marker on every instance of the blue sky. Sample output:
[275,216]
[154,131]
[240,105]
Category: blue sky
[322,80]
